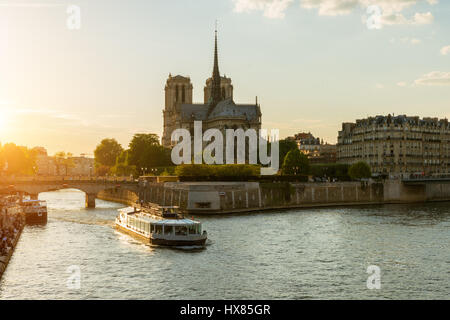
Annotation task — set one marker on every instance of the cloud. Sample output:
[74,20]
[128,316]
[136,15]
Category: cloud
[402,84]
[32,5]
[390,9]
[331,7]
[445,50]
[412,41]
[272,9]
[396,18]
[435,78]
[423,18]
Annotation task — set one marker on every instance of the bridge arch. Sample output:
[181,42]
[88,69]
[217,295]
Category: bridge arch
[90,188]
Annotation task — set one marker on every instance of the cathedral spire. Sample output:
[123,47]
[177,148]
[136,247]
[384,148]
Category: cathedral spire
[216,92]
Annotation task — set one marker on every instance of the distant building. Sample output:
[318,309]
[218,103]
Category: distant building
[76,166]
[314,148]
[399,145]
[328,153]
[45,165]
[81,166]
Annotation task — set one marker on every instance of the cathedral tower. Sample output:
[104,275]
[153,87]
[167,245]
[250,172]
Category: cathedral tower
[178,91]
[217,88]
[226,89]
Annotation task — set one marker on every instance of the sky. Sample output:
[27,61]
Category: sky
[313,64]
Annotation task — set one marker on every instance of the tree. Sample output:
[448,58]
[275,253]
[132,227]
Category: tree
[17,159]
[330,170]
[295,163]
[146,152]
[285,146]
[65,160]
[122,166]
[107,152]
[217,171]
[102,170]
[359,170]
[2,160]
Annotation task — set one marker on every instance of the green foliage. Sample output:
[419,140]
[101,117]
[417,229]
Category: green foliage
[17,159]
[107,152]
[102,170]
[226,170]
[146,152]
[165,173]
[2,159]
[295,163]
[285,146]
[359,170]
[122,166]
[144,155]
[332,170]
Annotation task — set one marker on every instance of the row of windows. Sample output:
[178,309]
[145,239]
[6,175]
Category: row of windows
[147,227]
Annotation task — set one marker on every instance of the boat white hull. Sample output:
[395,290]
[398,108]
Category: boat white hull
[164,240]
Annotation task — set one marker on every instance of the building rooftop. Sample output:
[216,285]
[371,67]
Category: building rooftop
[224,109]
[401,120]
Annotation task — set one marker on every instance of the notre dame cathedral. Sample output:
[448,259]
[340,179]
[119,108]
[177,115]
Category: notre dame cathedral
[218,110]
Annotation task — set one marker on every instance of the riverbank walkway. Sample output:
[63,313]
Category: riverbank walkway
[12,222]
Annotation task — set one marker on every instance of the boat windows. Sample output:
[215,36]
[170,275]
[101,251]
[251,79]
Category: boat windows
[168,230]
[158,229]
[193,229]
[181,231]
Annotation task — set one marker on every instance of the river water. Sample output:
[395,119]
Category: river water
[300,254]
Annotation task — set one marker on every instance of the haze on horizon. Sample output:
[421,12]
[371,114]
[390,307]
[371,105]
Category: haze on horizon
[312,63]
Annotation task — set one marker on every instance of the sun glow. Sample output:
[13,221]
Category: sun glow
[4,117]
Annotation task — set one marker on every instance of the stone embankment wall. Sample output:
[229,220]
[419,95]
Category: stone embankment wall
[229,197]
[118,195]
[437,191]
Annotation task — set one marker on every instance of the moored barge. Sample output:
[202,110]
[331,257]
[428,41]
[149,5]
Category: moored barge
[35,211]
[161,226]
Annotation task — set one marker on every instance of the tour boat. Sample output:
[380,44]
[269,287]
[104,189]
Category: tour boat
[35,211]
[161,226]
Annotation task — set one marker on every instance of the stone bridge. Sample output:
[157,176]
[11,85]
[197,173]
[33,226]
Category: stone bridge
[90,186]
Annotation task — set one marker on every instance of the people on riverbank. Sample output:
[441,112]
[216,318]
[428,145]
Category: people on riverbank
[11,222]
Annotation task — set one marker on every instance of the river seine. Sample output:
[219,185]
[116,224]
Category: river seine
[301,254]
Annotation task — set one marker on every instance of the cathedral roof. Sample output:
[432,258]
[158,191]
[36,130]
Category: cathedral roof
[190,112]
[224,109]
[228,109]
